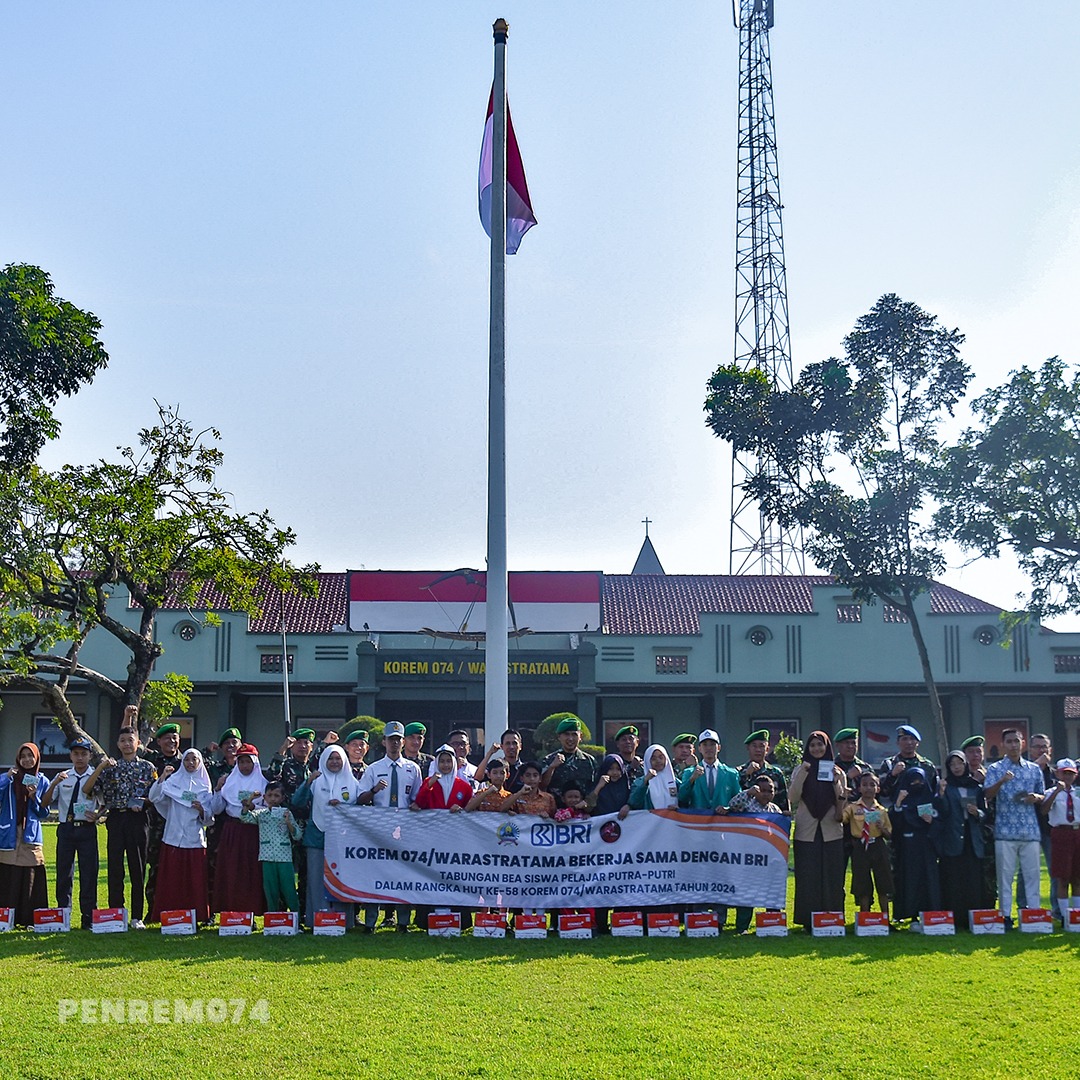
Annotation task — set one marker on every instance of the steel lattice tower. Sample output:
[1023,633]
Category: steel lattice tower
[761,306]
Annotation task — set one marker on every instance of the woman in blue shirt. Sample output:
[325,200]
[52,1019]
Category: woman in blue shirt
[23,885]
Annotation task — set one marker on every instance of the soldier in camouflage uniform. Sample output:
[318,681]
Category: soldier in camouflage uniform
[757,746]
[570,763]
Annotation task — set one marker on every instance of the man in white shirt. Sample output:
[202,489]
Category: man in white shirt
[393,781]
[76,834]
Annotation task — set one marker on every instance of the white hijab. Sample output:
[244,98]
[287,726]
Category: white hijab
[446,780]
[236,782]
[662,784]
[341,785]
[185,787]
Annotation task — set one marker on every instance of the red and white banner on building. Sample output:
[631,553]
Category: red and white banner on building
[406,601]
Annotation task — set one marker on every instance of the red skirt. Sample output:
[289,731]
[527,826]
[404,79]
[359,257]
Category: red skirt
[237,874]
[181,882]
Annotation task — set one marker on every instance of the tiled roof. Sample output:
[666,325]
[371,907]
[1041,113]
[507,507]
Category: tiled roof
[671,604]
[317,614]
[632,603]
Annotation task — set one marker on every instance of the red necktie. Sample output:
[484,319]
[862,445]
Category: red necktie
[1070,814]
[865,833]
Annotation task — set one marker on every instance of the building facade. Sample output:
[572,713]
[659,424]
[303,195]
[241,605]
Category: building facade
[669,653]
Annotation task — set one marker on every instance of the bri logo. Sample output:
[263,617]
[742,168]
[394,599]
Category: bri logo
[551,834]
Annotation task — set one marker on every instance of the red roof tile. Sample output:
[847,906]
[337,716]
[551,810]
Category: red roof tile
[632,603]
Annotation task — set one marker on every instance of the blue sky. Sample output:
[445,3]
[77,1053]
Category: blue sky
[272,208]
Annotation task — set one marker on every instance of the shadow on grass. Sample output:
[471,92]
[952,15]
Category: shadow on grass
[104,952]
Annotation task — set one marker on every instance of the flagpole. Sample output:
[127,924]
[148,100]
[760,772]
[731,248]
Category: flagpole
[496,695]
[285,669]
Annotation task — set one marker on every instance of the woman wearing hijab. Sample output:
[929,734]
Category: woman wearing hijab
[331,784]
[818,793]
[914,813]
[959,839]
[182,797]
[444,789]
[657,789]
[610,786]
[237,878]
[23,885]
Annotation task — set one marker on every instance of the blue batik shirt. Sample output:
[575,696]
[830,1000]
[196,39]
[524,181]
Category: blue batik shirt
[1015,820]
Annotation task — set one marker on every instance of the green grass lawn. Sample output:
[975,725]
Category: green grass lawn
[393,1007]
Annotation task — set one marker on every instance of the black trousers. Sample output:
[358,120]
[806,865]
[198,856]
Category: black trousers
[128,836]
[74,840]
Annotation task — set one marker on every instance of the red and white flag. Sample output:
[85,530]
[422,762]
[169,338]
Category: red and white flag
[519,214]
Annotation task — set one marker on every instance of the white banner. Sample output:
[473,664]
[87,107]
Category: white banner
[440,859]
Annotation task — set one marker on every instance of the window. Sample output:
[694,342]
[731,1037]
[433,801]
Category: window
[849,613]
[672,665]
[758,635]
[1067,664]
[270,663]
[892,614]
[986,635]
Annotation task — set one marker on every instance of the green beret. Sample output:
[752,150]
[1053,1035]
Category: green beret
[571,723]
[167,729]
[846,733]
[974,740]
[415,728]
[359,733]
[304,733]
[628,730]
[755,735]
[685,737]
[228,733]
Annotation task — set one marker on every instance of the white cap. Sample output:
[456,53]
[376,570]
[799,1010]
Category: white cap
[708,733]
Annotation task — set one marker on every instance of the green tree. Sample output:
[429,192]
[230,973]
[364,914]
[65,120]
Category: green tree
[850,454]
[1014,481]
[155,525]
[48,349]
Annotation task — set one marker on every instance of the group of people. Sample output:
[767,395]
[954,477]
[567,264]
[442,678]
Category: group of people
[921,840]
[220,831]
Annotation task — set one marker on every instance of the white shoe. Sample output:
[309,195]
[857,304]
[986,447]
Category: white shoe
[137,924]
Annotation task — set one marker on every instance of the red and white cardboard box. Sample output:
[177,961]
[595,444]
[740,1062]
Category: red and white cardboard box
[1036,921]
[1072,920]
[986,921]
[770,924]
[664,924]
[281,924]
[934,924]
[181,921]
[109,920]
[827,924]
[530,926]
[489,924]
[329,924]
[627,924]
[444,924]
[871,924]
[52,920]
[7,918]
[236,923]
[702,924]
[576,926]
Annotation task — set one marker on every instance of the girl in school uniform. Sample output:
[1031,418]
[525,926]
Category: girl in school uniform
[237,877]
[444,790]
[183,799]
[657,789]
[23,885]
[331,784]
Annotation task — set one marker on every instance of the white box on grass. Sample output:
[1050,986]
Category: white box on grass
[109,920]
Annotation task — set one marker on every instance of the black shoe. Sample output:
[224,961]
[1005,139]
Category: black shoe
[402,929]
[366,929]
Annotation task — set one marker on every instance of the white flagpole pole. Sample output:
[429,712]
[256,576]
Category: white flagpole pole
[285,669]
[496,695]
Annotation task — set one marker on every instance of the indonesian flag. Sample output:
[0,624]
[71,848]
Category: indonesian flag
[519,214]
